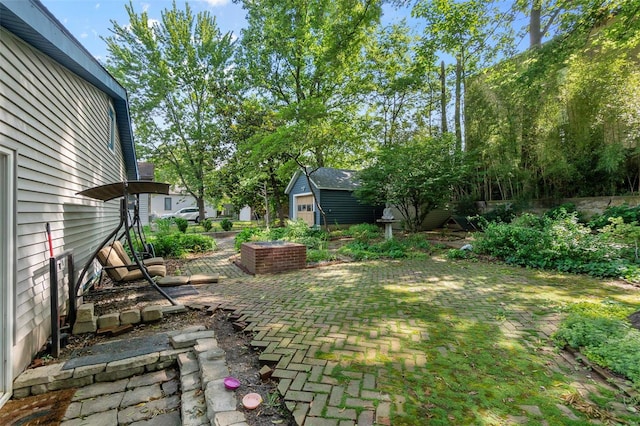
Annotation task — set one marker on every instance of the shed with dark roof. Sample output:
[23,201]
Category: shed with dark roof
[334,189]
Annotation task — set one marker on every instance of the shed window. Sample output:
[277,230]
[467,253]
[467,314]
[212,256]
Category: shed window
[167,203]
[112,128]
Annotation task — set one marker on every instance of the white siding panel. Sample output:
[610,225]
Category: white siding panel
[59,126]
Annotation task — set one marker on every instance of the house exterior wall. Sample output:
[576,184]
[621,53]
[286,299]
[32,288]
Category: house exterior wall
[58,126]
[342,208]
[178,201]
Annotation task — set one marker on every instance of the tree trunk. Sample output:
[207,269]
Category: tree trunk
[267,216]
[535,31]
[200,204]
[276,198]
[458,102]
[443,98]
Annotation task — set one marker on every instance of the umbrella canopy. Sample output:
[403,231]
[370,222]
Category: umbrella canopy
[121,189]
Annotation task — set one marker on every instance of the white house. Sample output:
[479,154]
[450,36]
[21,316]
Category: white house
[64,127]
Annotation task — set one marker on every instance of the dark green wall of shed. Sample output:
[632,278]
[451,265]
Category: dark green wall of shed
[343,208]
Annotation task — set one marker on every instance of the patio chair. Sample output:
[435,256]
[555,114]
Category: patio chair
[119,271]
[119,249]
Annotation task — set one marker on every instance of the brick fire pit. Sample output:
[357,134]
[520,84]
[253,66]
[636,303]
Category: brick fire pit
[267,257]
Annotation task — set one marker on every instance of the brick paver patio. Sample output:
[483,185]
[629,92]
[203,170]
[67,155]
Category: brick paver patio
[300,317]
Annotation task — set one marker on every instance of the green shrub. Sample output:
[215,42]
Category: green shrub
[628,215]
[181,223]
[413,246]
[207,225]
[562,244]
[226,224]
[321,255]
[561,211]
[246,235]
[460,254]
[179,244]
[164,226]
[364,232]
[297,232]
[503,213]
[604,335]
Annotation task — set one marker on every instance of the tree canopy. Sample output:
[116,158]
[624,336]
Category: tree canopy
[312,84]
[177,74]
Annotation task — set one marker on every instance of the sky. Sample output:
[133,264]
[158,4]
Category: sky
[88,20]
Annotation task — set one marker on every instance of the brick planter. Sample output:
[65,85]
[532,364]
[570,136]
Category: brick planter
[268,257]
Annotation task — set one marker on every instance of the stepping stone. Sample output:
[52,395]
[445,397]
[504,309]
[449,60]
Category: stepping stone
[203,279]
[171,281]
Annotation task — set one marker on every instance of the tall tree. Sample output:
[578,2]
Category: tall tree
[177,74]
[303,57]
[251,170]
[467,30]
[397,87]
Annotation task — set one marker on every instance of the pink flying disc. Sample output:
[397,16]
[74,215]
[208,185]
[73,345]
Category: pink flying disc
[251,400]
[231,383]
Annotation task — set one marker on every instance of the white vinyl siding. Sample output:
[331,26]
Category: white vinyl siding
[57,124]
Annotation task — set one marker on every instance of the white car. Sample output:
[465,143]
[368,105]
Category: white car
[188,213]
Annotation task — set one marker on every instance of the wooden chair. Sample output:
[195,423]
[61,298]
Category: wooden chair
[119,271]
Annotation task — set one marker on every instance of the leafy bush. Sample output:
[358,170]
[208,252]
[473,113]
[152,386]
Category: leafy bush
[604,336]
[628,215]
[226,224]
[179,244]
[164,226]
[562,244]
[414,246]
[207,225]
[561,211]
[181,223]
[246,235]
[364,232]
[503,213]
[297,232]
[454,254]
[321,255]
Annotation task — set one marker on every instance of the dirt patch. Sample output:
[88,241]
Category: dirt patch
[244,365]
[242,360]
[47,409]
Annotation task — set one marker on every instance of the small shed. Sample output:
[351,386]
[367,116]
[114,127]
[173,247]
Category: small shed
[334,189]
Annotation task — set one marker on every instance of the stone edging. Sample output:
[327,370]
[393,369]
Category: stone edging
[202,364]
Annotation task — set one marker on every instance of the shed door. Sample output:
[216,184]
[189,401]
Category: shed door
[304,209]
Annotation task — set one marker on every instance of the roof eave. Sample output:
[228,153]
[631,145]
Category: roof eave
[32,22]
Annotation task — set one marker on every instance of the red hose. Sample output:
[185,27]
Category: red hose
[49,238]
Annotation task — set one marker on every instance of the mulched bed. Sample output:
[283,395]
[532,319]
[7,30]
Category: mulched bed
[46,409]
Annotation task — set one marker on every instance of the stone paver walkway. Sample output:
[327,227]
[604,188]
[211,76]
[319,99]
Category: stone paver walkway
[334,337]
[299,316]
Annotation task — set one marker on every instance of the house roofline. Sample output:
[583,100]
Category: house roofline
[296,175]
[32,22]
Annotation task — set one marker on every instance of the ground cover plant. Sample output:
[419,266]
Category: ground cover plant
[604,335]
[561,242]
[168,241]
[368,244]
